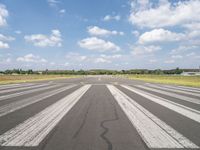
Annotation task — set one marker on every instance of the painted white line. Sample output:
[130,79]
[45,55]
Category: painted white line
[181,97]
[181,109]
[22,88]
[193,88]
[154,132]
[4,97]
[4,87]
[11,107]
[174,90]
[32,131]
[183,89]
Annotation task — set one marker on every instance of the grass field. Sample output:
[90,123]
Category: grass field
[193,81]
[6,79]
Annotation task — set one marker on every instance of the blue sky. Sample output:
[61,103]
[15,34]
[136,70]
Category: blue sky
[106,34]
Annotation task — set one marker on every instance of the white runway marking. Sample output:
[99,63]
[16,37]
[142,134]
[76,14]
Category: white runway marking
[174,90]
[181,109]
[4,87]
[183,88]
[154,132]
[32,131]
[11,107]
[4,97]
[22,88]
[181,97]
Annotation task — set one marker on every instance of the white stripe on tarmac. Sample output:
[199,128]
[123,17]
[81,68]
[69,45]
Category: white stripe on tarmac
[181,109]
[181,97]
[4,97]
[173,90]
[32,131]
[11,107]
[4,87]
[193,88]
[22,88]
[182,88]
[154,132]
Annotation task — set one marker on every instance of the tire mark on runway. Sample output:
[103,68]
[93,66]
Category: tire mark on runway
[106,129]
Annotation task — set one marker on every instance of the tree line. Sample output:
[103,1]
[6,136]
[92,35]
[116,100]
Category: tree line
[95,72]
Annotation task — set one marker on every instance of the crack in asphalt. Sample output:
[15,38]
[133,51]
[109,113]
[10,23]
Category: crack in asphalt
[83,122]
[106,129]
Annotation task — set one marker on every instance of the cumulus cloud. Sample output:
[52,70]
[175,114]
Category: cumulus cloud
[76,57]
[94,43]
[6,38]
[135,33]
[31,58]
[41,40]
[3,45]
[3,41]
[97,31]
[160,35]
[102,60]
[109,17]
[164,13]
[62,11]
[3,15]
[182,49]
[53,2]
[171,61]
[145,50]
[177,56]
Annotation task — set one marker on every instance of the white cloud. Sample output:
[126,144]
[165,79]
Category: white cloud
[18,32]
[41,40]
[177,56]
[6,38]
[31,58]
[75,57]
[53,2]
[96,31]
[135,33]
[153,61]
[62,11]
[3,45]
[94,43]
[183,48]
[109,17]
[102,60]
[145,50]
[5,60]
[190,54]
[160,35]
[3,15]
[169,61]
[164,13]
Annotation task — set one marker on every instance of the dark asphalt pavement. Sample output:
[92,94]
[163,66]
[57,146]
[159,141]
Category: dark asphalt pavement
[99,113]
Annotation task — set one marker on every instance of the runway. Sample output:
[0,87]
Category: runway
[99,113]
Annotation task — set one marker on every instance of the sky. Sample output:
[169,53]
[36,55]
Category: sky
[99,34]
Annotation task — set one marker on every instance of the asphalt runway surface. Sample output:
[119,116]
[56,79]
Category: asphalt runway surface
[99,113]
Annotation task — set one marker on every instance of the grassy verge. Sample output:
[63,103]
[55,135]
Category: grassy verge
[7,79]
[193,81]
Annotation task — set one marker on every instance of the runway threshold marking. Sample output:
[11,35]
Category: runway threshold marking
[181,97]
[9,86]
[23,88]
[32,131]
[3,97]
[174,90]
[182,88]
[11,107]
[181,109]
[154,132]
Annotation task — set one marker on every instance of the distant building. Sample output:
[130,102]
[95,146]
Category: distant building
[190,74]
